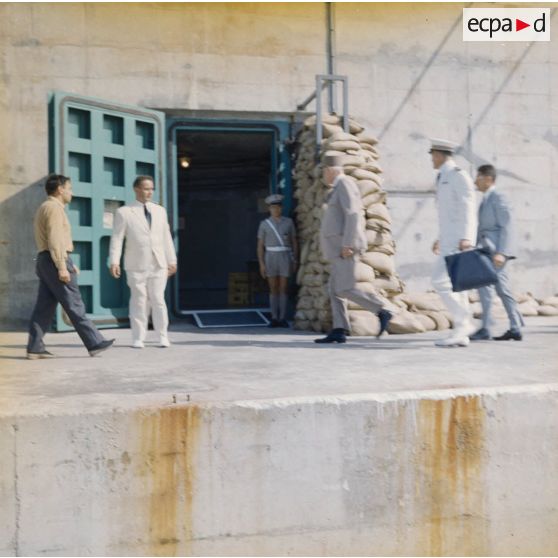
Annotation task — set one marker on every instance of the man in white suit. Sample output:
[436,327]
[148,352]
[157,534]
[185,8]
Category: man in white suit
[149,260]
[457,220]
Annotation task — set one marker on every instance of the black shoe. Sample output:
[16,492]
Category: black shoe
[283,323]
[102,346]
[273,323]
[515,335]
[334,336]
[37,356]
[385,317]
[480,335]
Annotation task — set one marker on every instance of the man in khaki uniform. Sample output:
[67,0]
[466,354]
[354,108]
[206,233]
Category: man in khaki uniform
[342,240]
[57,274]
[277,254]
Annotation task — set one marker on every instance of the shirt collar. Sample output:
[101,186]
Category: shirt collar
[447,166]
[137,203]
[337,178]
[56,200]
[489,191]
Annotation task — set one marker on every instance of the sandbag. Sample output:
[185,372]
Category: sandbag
[305,303]
[549,301]
[363,272]
[361,174]
[378,211]
[405,322]
[344,136]
[529,308]
[382,263]
[442,323]
[302,325]
[373,199]
[326,118]
[343,145]
[424,301]
[391,285]
[548,310]
[363,323]
[376,239]
[311,314]
[428,323]
[367,187]
[364,138]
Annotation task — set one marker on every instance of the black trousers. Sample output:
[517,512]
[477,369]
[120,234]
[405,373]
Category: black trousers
[51,292]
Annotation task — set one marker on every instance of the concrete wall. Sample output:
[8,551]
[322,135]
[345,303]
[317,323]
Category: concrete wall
[411,77]
[447,473]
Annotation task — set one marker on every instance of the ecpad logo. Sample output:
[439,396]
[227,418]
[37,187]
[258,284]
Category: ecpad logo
[506,24]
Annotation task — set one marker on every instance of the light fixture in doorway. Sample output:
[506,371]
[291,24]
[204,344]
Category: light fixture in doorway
[184,162]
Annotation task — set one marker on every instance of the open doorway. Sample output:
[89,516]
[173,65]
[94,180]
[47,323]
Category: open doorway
[223,177]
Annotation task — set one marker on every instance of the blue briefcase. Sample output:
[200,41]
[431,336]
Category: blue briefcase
[471,269]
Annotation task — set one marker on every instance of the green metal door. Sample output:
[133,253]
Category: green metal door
[102,147]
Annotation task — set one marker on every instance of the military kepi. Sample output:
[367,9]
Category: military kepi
[274,199]
[442,145]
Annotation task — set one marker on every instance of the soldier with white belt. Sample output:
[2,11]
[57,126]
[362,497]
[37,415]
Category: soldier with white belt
[457,220]
[277,254]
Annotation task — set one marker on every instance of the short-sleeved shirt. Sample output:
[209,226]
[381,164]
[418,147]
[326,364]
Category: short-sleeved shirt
[53,232]
[285,228]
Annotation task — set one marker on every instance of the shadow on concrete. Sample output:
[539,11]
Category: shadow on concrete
[18,283]
[305,344]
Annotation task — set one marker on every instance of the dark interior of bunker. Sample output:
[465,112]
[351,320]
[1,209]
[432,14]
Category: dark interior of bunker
[223,179]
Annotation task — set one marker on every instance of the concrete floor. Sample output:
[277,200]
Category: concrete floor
[219,366]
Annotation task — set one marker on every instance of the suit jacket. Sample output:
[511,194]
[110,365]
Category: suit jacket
[457,207]
[142,242]
[495,222]
[343,222]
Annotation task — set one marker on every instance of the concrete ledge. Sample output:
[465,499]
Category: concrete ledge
[418,475]
[467,470]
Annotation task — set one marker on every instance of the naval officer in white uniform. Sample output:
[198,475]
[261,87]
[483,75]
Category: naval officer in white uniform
[149,260]
[457,221]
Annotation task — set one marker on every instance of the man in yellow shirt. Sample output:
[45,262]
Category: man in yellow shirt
[57,274]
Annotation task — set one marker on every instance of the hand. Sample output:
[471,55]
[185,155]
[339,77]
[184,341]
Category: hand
[262,271]
[499,260]
[436,247]
[171,270]
[464,245]
[115,271]
[346,252]
[64,275]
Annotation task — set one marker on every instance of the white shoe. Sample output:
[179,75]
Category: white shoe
[453,341]
[138,345]
[164,342]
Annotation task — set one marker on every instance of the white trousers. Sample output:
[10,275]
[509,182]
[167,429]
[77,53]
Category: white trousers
[148,291]
[456,303]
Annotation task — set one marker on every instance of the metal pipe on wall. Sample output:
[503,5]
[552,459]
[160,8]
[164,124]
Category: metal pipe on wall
[330,45]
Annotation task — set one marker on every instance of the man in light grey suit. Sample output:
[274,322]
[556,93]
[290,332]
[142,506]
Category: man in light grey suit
[495,230]
[342,239]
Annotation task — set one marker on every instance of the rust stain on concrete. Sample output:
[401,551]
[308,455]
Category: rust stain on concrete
[451,434]
[169,440]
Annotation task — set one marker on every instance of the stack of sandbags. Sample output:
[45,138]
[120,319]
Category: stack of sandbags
[548,306]
[377,268]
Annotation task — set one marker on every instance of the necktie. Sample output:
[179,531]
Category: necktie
[147,214]
[438,179]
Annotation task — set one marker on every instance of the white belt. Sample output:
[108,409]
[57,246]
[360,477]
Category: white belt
[277,249]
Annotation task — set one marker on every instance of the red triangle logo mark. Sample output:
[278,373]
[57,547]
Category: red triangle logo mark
[519,25]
